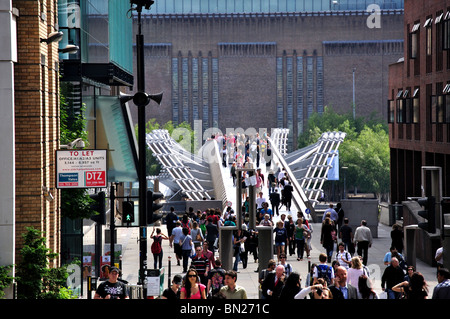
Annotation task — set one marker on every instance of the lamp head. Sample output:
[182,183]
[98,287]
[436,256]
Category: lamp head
[52,37]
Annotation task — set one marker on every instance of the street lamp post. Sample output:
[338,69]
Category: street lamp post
[141,100]
[142,155]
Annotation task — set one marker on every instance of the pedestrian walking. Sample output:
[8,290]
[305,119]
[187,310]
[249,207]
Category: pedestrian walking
[397,237]
[186,245]
[292,286]
[192,288]
[442,289]
[231,290]
[174,241]
[414,289]
[275,200]
[343,256]
[112,288]
[326,237]
[363,240]
[322,270]
[173,292]
[281,238]
[300,235]
[201,264]
[355,271]
[392,276]
[273,284]
[346,236]
[156,247]
[341,289]
[365,288]
[212,232]
[171,220]
[216,279]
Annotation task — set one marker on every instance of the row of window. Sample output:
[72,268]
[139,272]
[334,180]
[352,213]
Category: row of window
[291,87]
[199,96]
[405,109]
[442,42]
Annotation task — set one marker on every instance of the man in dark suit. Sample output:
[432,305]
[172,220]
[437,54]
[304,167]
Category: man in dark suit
[340,289]
[273,284]
[287,192]
[275,200]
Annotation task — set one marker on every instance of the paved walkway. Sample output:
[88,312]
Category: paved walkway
[248,278]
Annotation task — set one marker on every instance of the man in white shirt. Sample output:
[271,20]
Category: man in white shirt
[259,201]
[363,240]
[177,232]
[343,256]
[333,216]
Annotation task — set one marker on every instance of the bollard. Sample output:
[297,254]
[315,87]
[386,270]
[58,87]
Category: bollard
[410,236]
[265,245]
[226,246]
[169,281]
[446,246]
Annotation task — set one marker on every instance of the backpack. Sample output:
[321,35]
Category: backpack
[324,271]
[156,246]
[346,256]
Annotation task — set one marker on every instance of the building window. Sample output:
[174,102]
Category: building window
[175,91]
[439,40]
[309,86]
[414,41]
[205,93]
[447,108]
[446,31]
[195,89]
[400,107]
[320,107]
[299,95]
[280,108]
[407,104]
[428,44]
[437,109]
[391,111]
[215,91]
[416,106]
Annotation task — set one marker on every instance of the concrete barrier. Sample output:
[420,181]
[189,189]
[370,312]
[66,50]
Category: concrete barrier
[358,209]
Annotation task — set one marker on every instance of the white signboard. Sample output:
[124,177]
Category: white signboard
[81,169]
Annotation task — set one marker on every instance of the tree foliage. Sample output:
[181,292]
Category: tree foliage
[35,280]
[365,150]
[74,202]
[5,279]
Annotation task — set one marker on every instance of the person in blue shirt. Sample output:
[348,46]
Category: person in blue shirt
[281,238]
[265,210]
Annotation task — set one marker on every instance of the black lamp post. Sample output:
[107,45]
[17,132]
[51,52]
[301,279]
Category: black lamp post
[141,99]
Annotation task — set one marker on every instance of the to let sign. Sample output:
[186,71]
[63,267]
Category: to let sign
[81,168]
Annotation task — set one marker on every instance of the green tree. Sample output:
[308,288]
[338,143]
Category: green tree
[75,202]
[5,279]
[365,150]
[35,280]
[367,159]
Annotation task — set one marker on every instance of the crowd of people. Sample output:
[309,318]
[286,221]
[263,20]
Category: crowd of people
[340,273]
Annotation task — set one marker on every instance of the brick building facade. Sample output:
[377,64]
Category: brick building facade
[36,79]
[268,70]
[418,104]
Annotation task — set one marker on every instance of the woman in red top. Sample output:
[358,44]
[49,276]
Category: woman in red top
[192,288]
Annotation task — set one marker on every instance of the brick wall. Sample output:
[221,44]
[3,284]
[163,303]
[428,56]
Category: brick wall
[36,121]
[248,83]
